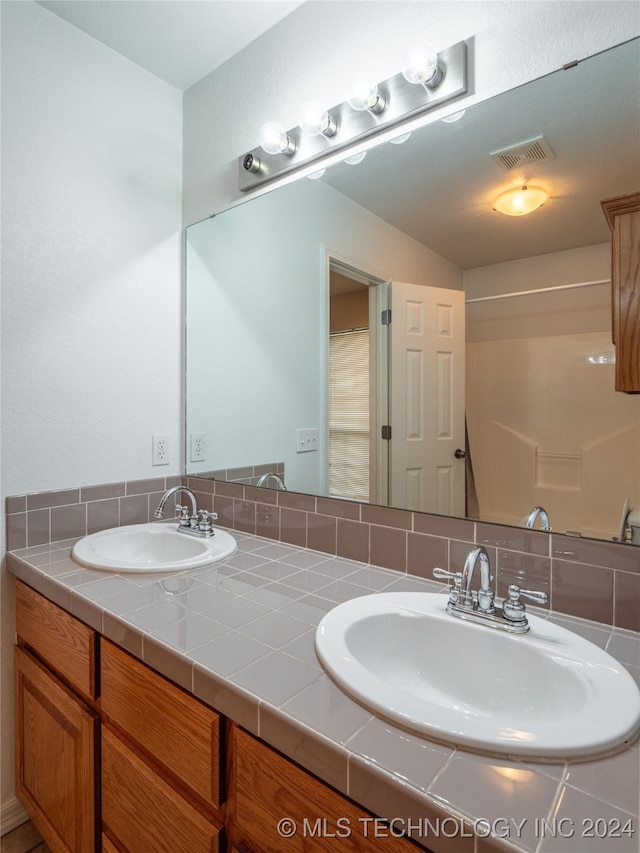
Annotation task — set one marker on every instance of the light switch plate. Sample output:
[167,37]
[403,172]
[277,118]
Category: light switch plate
[306,440]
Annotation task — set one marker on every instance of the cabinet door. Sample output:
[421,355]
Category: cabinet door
[55,757]
[178,731]
[623,215]
[280,808]
[141,813]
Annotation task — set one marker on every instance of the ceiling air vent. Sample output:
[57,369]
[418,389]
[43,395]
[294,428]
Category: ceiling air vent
[535,150]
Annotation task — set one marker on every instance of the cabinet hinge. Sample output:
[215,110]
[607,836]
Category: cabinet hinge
[386,317]
[386,432]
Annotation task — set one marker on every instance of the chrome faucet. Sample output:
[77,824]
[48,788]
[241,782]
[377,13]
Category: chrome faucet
[196,523]
[484,598]
[536,512]
[479,606]
[271,476]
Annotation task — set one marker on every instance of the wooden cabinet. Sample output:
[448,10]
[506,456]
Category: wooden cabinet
[142,812]
[66,645]
[56,730]
[175,730]
[623,216]
[121,760]
[276,807]
[161,787]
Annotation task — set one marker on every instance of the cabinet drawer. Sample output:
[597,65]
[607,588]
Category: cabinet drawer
[67,645]
[266,787]
[179,732]
[141,812]
[56,740]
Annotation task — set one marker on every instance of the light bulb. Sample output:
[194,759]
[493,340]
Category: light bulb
[521,201]
[454,117]
[355,158]
[315,120]
[275,140]
[398,140]
[420,65]
[364,95]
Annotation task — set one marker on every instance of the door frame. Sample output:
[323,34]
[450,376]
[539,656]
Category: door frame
[379,295]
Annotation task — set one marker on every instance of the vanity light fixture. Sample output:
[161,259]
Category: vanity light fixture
[356,158]
[315,120]
[364,94]
[370,109]
[398,140]
[274,139]
[420,65]
[520,201]
[454,117]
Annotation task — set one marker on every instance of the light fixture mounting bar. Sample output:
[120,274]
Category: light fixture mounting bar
[404,100]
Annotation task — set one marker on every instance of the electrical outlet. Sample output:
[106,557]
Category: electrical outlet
[306,440]
[160,450]
[197,447]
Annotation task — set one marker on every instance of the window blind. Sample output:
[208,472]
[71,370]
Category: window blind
[349,424]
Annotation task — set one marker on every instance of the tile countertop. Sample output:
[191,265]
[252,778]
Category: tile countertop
[240,635]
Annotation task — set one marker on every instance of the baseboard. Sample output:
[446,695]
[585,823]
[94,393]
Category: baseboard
[12,815]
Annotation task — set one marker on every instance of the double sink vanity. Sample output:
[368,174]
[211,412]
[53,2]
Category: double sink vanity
[180,688]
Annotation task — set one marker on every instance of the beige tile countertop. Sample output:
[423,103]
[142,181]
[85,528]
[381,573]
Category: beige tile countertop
[240,635]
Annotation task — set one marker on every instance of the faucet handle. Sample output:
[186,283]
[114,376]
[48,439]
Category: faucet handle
[185,518]
[534,595]
[444,573]
[205,521]
[513,608]
[455,591]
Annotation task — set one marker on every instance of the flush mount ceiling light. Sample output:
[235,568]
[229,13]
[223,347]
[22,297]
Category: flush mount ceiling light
[520,201]
[428,79]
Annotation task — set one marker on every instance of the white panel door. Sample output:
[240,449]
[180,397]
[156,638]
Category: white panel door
[427,362]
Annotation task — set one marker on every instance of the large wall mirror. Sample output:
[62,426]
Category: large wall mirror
[491,390]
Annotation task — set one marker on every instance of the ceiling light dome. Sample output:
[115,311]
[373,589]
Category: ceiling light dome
[520,201]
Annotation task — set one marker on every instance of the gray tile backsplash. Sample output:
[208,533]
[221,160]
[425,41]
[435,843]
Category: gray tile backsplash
[585,578]
[582,577]
[42,517]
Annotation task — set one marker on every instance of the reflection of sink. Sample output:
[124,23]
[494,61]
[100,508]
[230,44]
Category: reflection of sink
[548,693]
[151,548]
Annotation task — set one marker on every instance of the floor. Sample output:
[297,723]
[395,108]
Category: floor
[24,839]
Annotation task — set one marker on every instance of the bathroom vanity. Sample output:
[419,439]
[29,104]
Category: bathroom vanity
[189,712]
[146,766]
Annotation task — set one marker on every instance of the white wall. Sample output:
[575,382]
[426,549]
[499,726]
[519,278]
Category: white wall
[91,326]
[312,53]
[257,288]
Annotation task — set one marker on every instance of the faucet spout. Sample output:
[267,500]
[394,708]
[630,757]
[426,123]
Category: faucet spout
[174,491]
[485,593]
[541,513]
[264,481]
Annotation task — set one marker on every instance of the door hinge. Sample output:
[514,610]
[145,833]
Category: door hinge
[386,432]
[386,317]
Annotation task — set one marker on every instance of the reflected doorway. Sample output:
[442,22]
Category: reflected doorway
[357,457]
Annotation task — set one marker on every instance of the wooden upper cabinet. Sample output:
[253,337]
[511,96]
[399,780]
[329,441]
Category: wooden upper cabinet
[623,216]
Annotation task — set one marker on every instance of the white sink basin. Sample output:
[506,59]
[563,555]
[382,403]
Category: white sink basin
[548,693]
[151,548]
